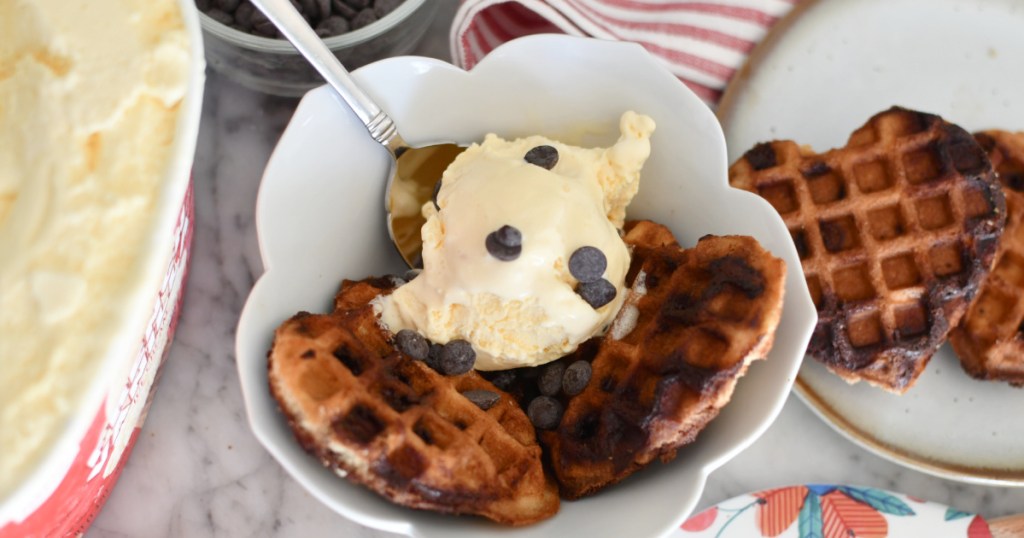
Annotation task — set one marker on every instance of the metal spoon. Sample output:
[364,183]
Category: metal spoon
[412,171]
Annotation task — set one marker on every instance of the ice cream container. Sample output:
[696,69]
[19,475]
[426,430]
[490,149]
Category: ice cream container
[63,489]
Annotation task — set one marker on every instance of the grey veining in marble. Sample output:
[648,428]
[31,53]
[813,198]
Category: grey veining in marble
[197,471]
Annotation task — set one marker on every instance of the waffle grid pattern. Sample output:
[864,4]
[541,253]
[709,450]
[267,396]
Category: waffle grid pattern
[990,339]
[704,314]
[876,224]
[378,414]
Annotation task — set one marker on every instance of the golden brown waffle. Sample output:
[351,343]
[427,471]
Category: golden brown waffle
[895,231]
[990,338]
[693,321]
[393,424]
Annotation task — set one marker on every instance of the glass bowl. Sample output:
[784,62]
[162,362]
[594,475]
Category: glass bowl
[274,66]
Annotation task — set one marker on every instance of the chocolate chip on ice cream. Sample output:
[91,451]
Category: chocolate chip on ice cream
[597,293]
[505,243]
[543,156]
[587,264]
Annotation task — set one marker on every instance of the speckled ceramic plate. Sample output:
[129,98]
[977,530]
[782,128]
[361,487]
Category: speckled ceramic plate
[819,75]
[818,510]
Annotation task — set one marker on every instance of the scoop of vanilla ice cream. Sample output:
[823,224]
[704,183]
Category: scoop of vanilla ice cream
[525,311]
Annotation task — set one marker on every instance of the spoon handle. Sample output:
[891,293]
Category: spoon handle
[288,20]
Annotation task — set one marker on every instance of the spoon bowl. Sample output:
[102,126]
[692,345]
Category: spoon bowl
[378,123]
[412,185]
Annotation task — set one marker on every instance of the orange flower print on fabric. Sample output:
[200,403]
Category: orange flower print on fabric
[779,509]
[843,517]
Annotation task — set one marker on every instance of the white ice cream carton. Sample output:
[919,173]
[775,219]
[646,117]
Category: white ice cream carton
[65,488]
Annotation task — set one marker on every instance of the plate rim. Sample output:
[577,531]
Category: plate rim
[972,474]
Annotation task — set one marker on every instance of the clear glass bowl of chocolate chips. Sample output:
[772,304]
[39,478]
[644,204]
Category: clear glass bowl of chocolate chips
[244,46]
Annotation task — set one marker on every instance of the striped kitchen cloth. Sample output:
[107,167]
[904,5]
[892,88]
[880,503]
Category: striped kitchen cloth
[701,42]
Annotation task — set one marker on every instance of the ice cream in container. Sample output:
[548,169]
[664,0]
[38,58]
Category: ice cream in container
[99,115]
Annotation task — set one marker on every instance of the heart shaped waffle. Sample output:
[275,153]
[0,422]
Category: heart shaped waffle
[895,232]
[390,422]
[693,321]
[990,338]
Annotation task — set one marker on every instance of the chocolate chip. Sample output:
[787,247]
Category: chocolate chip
[221,17]
[434,356]
[576,377]
[226,6]
[364,18]
[332,26]
[505,243]
[261,25]
[545,412]
[543,156]
[503,379]
[433,196]
[383,7]
[484,399]
[597,293]
[243,15]
[412,274]
[323,8]
[328,17]
[587,264]
[343,9]
[412,344]
[550,380]
[457,357]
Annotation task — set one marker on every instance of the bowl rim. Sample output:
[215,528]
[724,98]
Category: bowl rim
[251,353]
[283,46]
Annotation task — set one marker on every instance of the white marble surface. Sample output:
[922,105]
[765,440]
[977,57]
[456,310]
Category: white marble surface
[197,470]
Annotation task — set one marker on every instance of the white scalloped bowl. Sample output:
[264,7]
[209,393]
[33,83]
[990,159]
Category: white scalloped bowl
[320,218]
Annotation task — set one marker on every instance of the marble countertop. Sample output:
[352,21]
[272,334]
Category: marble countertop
[197,470]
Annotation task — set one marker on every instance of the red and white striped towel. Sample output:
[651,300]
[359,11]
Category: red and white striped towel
[701,42]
